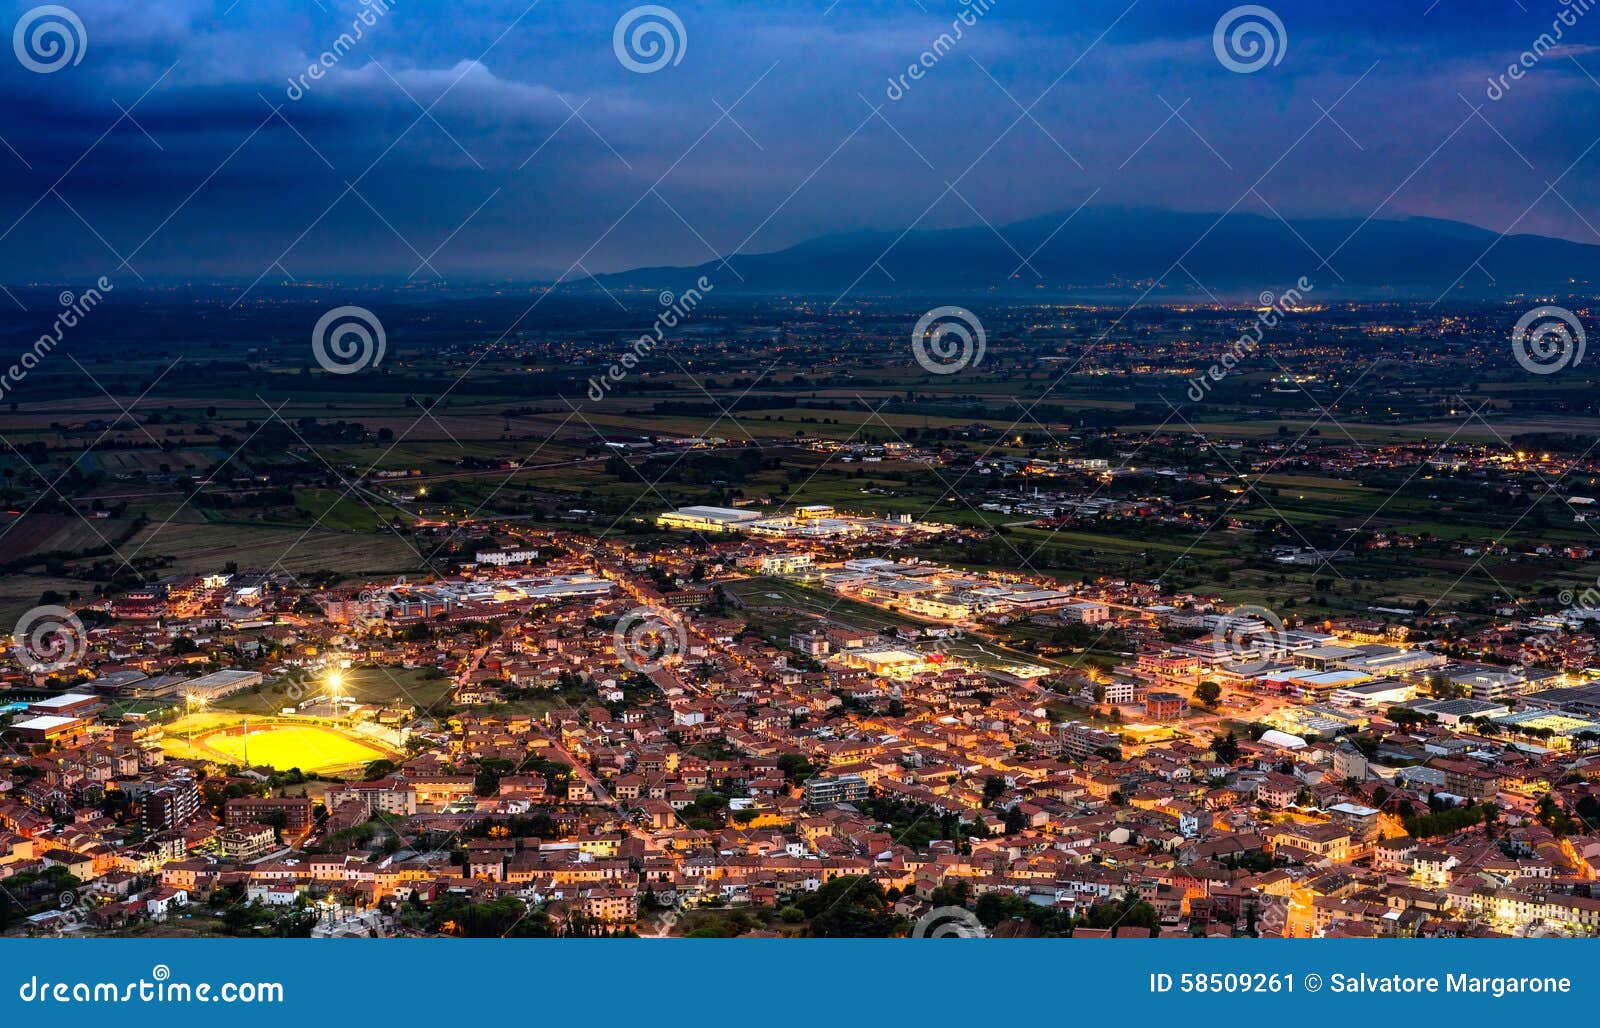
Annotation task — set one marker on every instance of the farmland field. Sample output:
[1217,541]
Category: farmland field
[201,548]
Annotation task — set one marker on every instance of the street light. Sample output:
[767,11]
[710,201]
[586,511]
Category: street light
[191,701]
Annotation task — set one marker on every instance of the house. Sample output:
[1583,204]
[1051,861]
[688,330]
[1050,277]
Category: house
[1323,843]
[1394,855]
[1279,790]
[164,901]
[274,894]
[77,865]
[1433,866]
[293,813]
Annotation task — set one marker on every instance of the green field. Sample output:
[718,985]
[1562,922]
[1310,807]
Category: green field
[338,511]
[195,548]
[782,607]
[382,686]
[778,608]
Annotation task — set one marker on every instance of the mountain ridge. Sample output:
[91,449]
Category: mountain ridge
[1138,250]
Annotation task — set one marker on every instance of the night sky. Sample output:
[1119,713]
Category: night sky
[539,150]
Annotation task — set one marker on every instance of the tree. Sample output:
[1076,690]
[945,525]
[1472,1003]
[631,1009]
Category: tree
[490,771]
[1446,819]
[795,767]
[1226,747]
[851,907]
[994,907]
[1442,688]
[1404,716]
[1550,814]
[1588,811]
[1130,911]
[1208,693]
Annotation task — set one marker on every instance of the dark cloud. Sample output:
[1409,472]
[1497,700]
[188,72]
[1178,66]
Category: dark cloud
[540,149]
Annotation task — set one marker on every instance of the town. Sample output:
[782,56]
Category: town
[786,724]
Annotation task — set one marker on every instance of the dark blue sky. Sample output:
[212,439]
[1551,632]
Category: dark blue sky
[502,179]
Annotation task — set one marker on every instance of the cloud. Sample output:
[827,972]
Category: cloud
[764,136]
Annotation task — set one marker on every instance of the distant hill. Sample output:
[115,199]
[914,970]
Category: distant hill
[1115,250]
